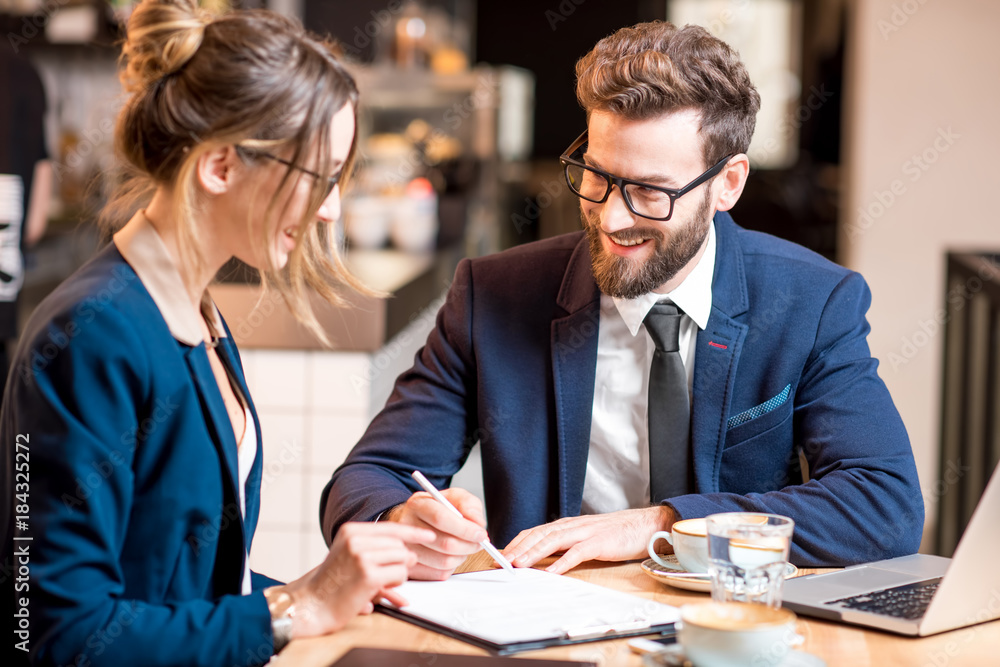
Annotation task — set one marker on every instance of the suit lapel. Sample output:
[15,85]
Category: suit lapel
[574,364]
[716,360]
[230,358]
[717,357]
[231,547]
[219,425]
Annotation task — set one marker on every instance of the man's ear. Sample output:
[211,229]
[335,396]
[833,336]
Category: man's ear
[217,169]
[733,178]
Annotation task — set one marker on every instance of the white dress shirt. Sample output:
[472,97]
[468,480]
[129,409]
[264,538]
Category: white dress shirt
[618,463]
[246,454]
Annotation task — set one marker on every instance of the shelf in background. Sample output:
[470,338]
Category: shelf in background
[413,281]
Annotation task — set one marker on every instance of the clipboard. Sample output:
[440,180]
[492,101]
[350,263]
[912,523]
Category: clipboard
[382,657]
[528,609]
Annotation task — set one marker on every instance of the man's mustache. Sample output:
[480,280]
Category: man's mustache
[626,235]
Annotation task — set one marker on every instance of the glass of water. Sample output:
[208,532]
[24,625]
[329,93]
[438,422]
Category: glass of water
[748,556]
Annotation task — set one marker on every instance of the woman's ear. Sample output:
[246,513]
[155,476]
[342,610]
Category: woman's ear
[733,179]
[217,169]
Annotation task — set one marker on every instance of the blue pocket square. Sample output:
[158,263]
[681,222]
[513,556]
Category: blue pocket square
[762,409]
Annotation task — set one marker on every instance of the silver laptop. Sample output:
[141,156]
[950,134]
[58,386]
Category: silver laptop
[915,595]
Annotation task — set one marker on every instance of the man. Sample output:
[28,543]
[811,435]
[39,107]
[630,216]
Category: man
[545,354]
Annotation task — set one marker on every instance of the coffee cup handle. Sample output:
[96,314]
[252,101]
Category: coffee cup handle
[665,535]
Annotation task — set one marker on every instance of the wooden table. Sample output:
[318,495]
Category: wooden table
[840,645]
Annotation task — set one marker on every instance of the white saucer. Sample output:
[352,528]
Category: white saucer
[700,584]
[673,656]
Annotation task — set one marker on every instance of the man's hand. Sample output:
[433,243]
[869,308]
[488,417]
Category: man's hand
[456,538]
[614,536]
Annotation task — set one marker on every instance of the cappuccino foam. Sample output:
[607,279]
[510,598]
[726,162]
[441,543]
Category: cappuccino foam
[736,616]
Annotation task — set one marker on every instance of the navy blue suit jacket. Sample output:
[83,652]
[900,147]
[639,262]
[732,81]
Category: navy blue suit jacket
[782,374]
[137,541]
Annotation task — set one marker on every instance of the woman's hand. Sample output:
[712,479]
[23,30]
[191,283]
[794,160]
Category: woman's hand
[366,561]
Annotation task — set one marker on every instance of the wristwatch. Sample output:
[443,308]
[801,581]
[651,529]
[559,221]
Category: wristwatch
[282,610]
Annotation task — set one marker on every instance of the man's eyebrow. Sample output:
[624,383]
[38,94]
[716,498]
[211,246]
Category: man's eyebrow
[661,180]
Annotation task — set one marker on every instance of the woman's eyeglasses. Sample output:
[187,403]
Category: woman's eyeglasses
[331,182]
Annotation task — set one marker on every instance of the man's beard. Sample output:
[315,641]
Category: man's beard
[627,278]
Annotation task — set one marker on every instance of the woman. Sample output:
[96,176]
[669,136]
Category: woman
[131,443]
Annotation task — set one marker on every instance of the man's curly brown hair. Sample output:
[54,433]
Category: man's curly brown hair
[655,68]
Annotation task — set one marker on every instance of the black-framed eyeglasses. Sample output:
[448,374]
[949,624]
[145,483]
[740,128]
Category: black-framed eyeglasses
[331,182]
[642,199]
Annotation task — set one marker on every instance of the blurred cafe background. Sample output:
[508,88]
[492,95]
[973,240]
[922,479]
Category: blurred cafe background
[875,147]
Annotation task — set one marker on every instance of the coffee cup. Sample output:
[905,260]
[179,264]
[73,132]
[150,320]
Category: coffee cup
[688,538]
[737,634]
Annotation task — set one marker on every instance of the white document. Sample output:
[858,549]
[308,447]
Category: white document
[528,606]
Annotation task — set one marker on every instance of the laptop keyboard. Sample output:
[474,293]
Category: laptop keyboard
[909,601]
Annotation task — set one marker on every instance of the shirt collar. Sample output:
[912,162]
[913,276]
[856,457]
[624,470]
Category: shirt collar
[693,296]
[144,250]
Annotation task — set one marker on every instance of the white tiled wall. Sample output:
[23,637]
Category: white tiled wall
[332,436]
[313,407]
[336,381]
[309,419]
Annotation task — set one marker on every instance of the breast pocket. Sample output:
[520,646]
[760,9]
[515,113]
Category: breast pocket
[759,418]
[758,453]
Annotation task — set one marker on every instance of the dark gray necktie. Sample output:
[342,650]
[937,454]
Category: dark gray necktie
[669,414]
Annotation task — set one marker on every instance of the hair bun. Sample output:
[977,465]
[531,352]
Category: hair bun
[162,36]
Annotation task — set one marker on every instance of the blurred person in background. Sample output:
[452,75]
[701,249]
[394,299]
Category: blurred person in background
[25,183]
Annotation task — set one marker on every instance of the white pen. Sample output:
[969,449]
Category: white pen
[485,544]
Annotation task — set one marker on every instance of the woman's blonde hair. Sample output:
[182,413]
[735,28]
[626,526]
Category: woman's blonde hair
[252,79]
[655,68]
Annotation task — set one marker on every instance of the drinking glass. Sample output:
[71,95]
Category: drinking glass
[748,555]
